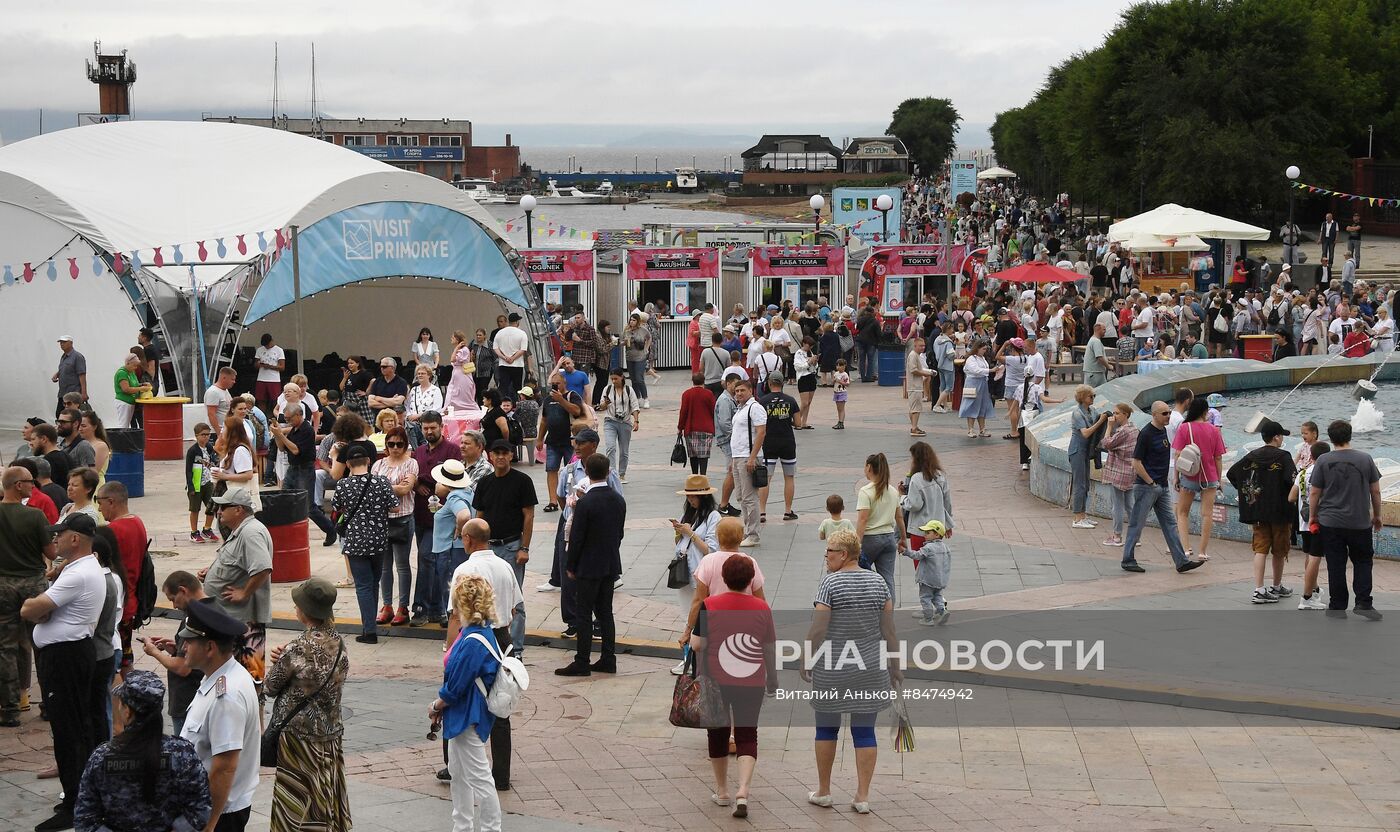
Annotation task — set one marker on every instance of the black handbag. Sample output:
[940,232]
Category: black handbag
[272,735]
[678,572]
[398,531]
[678,455]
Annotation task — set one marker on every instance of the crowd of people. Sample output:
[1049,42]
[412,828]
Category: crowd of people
[437,530]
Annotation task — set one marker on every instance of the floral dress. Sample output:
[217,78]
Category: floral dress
[310,792]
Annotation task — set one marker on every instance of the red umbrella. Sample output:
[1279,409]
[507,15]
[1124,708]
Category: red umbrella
[1038,272]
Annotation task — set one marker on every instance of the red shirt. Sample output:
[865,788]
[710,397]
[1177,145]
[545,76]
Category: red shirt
[41,501]
[736,627]
[1356,344]
[131,547]
[697,411]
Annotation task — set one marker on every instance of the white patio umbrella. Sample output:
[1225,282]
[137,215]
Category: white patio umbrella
[996,173]
[1142,242]
[1173,220]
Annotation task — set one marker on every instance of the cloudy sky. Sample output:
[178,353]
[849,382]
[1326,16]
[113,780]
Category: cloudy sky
[718,64]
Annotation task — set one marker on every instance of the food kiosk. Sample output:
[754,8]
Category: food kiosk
[894,277]
[565,278]
[679,281]
[796,273]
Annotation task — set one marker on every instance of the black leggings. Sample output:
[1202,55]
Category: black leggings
[699,464]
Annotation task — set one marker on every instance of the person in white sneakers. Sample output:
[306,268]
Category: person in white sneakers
[1312,593]
[1262,477]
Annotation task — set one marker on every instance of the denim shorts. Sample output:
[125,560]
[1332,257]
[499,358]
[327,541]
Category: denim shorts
[556,455]
[1196,486]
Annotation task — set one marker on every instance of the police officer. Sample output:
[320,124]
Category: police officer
[143,779]
[222,722]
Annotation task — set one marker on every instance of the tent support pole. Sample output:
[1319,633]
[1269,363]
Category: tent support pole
[296,301]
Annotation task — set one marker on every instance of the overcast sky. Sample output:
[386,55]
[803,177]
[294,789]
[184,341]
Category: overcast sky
[597,62]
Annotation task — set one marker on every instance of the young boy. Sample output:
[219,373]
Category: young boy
[932,563]
[840,384]
[199,486]
[834,506]
[527,413]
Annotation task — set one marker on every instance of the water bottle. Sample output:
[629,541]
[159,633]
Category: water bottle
[434,504]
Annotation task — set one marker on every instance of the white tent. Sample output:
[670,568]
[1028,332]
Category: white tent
[1142,242]
[75,197]
[996,173]
[1173,220]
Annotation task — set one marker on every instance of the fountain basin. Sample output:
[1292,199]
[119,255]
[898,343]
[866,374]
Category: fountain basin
[1249,384]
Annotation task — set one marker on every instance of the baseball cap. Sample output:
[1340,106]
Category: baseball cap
[63,338]
[81,523]
[1269,429]
[587,435]
[357,452]
[142,691]
[500,445]
[235,497]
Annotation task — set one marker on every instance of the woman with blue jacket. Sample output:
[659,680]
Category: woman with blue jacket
[461,709]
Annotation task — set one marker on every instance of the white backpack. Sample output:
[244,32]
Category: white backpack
[1188,461]
[512,680]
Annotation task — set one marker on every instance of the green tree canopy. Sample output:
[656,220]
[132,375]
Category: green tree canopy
[1205,102]
[928,127]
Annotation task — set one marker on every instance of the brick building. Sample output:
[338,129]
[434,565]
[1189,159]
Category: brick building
[441,148]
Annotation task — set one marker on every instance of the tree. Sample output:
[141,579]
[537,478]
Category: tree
[928,127]
[1205,102]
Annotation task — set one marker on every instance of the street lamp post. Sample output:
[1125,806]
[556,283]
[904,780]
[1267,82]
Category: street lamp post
[527,203]
[816,202]
[883,204]
[1292,173]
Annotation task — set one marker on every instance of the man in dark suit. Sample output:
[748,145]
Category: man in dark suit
[1327,237]
[594,561]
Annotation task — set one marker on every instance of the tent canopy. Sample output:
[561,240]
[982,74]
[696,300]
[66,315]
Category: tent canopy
[140,184]
[996,173]
[1142,242]
[1172,220]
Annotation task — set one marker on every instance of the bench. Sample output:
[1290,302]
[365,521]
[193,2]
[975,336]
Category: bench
[1066,371]
[1123,368]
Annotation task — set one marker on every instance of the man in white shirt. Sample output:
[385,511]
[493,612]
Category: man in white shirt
[271,361]
[223,722]
[1343,322]
[511,346]
[1143,322]
[218,399]
[481,560]
[64,617]
[750,425]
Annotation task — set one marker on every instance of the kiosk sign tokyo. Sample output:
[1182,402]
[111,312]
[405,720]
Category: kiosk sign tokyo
[389,239]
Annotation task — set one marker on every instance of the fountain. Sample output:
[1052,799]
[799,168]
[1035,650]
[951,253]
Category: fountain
[1368,418]
[1253,388]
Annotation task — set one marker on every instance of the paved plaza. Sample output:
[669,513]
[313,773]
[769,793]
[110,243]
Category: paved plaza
[599,754]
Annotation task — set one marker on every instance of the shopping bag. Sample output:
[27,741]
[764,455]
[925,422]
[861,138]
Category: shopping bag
[695,701]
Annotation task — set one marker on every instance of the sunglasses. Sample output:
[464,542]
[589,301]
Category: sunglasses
[395,445]
[25,482]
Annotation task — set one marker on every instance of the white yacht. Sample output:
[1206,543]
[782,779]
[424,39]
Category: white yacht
[687,181]
[569,195]
[480,190]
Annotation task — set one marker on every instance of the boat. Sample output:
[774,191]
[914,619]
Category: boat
[569,195]
[687,180]
[606,189]
[480,191]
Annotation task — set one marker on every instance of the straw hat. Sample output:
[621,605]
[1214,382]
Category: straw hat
[452,474]
[697,485]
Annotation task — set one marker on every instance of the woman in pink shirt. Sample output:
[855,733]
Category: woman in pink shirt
[1199,431]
